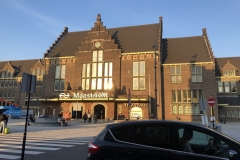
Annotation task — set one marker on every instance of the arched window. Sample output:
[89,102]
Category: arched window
[185,109]
[189,109]
[174,109]
[180,110]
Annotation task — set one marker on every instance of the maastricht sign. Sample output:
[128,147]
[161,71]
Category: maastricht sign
[81,95]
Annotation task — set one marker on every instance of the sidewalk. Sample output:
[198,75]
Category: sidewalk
[77,129]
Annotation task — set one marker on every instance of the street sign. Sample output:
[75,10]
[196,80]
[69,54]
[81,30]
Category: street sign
[211,101]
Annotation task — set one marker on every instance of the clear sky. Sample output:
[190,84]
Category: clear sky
[29,27]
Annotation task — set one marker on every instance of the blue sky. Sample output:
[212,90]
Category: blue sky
[29,27]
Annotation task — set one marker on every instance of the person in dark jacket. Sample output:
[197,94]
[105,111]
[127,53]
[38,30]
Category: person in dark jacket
[85,117]
[95,118]
[3,119]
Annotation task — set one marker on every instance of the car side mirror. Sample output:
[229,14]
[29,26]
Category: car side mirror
[231,153]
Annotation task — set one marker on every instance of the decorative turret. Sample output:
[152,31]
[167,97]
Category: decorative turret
[98,25]
[65,31]
[208,43]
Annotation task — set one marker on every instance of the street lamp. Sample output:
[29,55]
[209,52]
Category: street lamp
[155,77]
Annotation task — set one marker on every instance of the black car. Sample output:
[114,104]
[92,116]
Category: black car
[160,139]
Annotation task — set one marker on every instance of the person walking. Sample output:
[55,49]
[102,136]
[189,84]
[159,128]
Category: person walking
[60,119]
[89,117]
[85,117]
[2,123]
[95,117]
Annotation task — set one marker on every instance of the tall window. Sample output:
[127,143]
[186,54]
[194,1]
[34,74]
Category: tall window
[195,109]
[86,76]
[185,109]
[97,75]
[180,109]
[97,70]
[176,74]
[59,78]
[139,75]
[174,109]
[226,87]
[108,75]
[220,86]
[196,72]
[233,87]
[38,72]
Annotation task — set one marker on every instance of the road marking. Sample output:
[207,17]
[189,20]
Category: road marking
[19,151]
[29,147]
[36,144]
[9,156]
[11,147]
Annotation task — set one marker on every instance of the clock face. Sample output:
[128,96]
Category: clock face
[97,44]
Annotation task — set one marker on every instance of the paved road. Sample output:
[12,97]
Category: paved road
[73,137]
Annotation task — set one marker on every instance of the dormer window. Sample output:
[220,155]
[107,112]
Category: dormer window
[232,72]
[228,72]
[225,73]
[38,72]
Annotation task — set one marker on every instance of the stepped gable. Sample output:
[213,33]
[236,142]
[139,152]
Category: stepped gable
[21,66]
[59,38]
[128,39]
[100,34]
[227,63]
[185,50]
[208,44]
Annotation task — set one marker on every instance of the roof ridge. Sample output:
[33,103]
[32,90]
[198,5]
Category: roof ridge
[117,27]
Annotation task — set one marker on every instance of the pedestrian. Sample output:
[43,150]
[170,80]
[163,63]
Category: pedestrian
[2,123]
[85,117]
[30,119]
[95,118]
[89,117]
[60,119]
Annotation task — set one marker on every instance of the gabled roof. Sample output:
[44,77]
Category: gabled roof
[185,50]
[21,66]
[129,39]
[221,62]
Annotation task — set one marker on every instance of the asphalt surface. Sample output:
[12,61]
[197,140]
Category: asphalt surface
[86,131]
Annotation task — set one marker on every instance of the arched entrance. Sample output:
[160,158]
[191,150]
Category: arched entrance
[49,111]
[99,110]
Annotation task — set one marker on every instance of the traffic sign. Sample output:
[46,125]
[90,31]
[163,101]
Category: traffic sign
[211,101]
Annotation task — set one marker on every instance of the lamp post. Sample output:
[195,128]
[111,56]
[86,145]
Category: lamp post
[155,77]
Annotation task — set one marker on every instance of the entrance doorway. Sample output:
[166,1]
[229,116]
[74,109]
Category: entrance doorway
[49,111]
[76,114]
[99,110]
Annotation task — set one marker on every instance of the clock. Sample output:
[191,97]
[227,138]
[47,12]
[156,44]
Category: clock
[97,44]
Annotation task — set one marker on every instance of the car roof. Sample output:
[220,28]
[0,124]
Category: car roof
[172,122]
[155,121]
